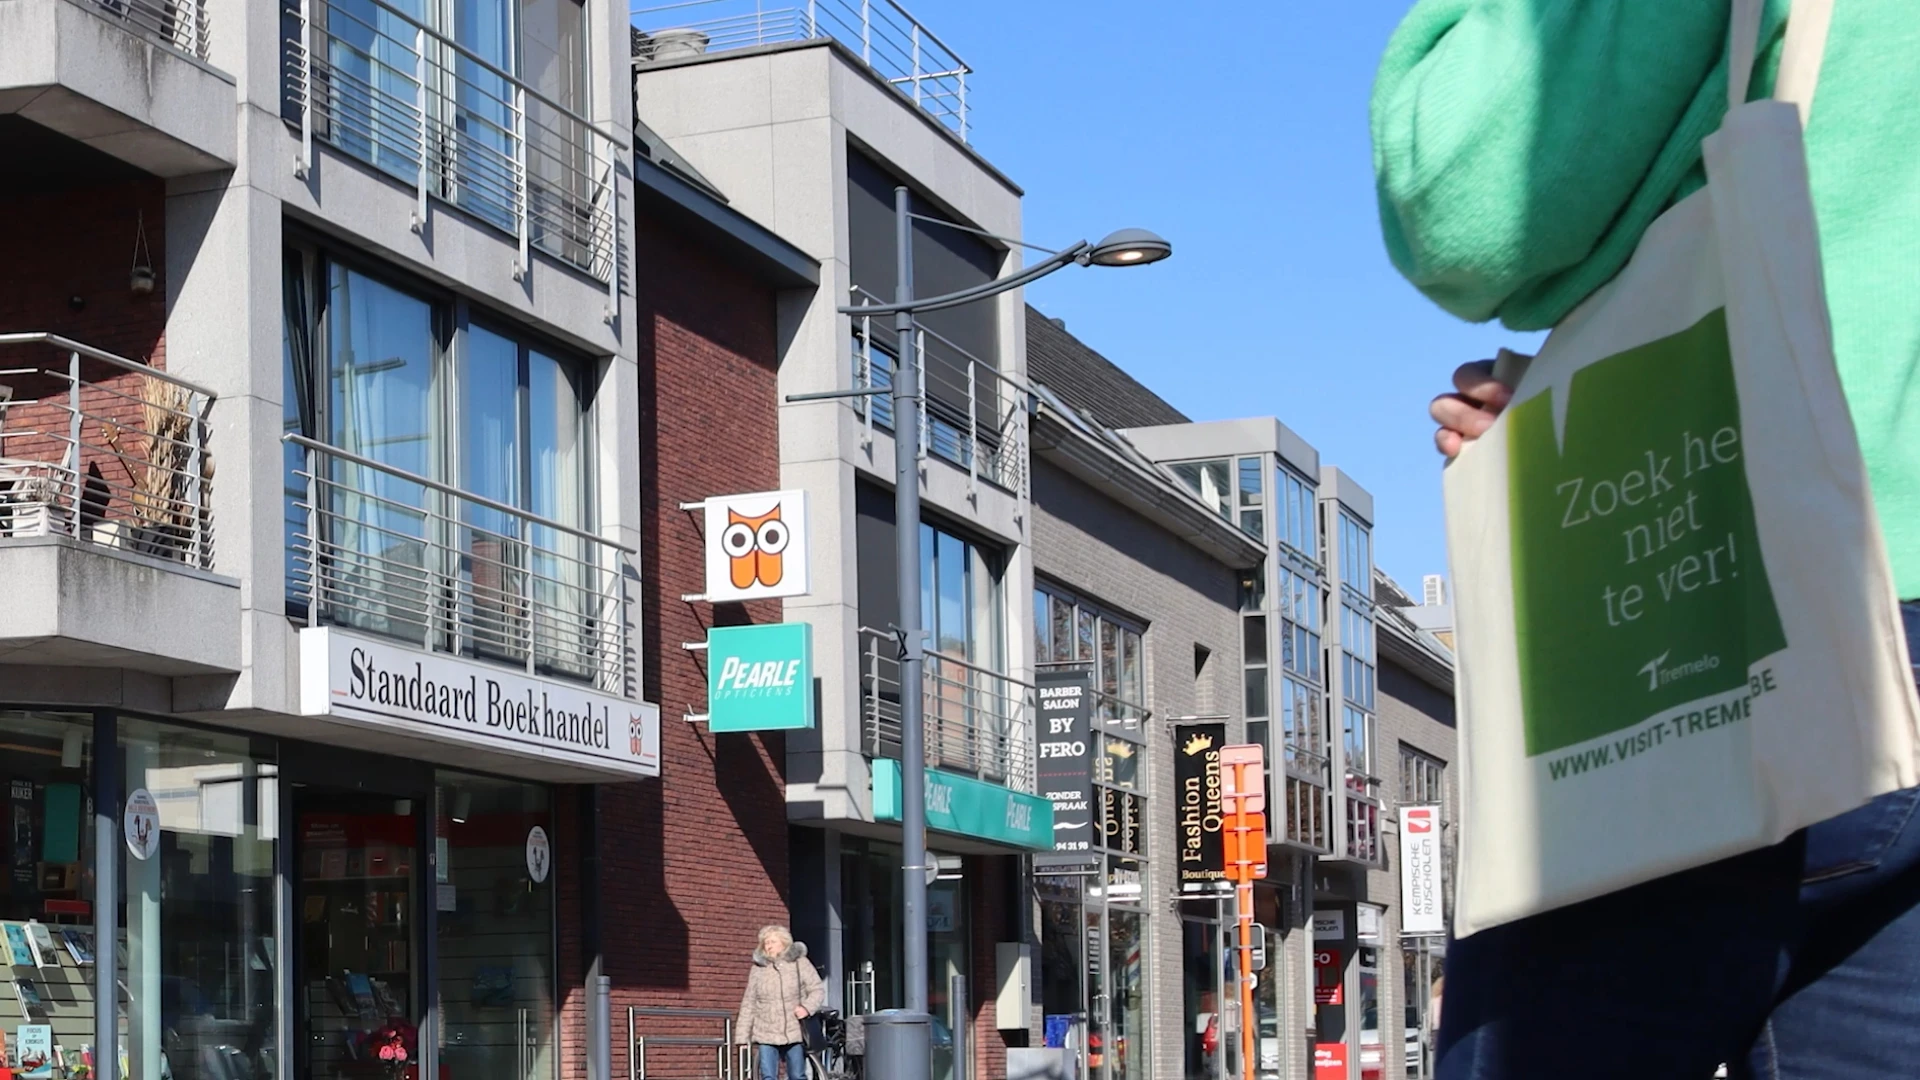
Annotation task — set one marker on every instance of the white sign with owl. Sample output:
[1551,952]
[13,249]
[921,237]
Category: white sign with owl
[756,546]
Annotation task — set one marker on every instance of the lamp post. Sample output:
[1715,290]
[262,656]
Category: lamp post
[1127,247]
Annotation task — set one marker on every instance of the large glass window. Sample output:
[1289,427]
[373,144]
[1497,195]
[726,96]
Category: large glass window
[198,955]
[1069,630]
[1252,498]
[1213,481]
[1127,966]
[1422,779]
[494,900]
[419,386]
[1294,513]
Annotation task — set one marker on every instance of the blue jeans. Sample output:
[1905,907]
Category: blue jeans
[1796,962]
[770,1055]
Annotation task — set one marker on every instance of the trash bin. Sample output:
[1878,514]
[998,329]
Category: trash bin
[899,1045]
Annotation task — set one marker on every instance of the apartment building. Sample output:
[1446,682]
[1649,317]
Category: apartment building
[809,120]
[337,478]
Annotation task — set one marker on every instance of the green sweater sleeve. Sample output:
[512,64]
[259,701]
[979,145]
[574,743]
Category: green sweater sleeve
[1520,147]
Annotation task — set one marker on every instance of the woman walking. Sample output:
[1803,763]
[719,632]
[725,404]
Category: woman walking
[782,990]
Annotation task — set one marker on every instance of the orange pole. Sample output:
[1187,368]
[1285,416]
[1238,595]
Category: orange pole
[1244,892]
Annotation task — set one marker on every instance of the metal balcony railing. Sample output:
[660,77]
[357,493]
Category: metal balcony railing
[103,449]
[179,24]
[382,86]
[971,415]
[386,551]
[976,721]
[897,46]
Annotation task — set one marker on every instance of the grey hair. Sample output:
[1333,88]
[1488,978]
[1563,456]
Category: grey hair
[776,930]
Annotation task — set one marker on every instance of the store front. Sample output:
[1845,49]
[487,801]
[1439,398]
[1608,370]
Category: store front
[213,905]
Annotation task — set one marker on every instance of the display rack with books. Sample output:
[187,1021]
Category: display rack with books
[50,1003]
[358,940]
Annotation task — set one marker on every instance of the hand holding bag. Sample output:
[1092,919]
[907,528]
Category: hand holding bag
[1677,630]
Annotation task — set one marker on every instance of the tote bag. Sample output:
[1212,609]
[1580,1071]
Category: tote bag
[1677,630]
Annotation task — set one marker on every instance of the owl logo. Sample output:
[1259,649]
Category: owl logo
[754,546]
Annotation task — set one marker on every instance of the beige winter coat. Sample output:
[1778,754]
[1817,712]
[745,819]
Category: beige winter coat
[774,987]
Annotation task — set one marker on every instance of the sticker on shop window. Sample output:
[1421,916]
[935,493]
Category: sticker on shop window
[142,823]
[539,854]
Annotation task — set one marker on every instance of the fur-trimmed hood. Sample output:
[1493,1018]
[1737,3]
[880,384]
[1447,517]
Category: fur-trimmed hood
[795,952]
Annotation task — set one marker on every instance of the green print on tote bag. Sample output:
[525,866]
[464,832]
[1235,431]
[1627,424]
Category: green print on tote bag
[1637,579]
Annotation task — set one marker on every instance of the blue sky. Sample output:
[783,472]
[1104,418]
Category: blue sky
[1238,130]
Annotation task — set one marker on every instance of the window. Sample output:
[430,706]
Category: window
[1251,520]
[1293,519]
[1357,743]
[1254,648]
[424,386]
[1068,630]
[1303,754]
[1422,779]
[1212,481]
[1356,555]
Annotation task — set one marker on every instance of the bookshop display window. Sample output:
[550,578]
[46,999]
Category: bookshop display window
[47,894]
[194,950]
[197,909]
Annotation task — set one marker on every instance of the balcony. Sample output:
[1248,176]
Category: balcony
[385,88]
[106,530]
[971,416]
[128,78]
[902,52]
[976,721]
[390,553]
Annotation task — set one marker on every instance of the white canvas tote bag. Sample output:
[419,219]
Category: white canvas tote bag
[1678,635]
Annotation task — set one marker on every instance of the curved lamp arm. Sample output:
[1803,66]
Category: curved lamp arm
[1038,270]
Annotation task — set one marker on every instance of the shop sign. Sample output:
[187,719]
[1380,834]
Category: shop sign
[760,678]
[539,854]
[756,546]
[1196,781]
[1329,1061]
[1329,925]
[963,806]
[394,687]
[1328,979]
[1064,771]
[1421,909]
[141,823]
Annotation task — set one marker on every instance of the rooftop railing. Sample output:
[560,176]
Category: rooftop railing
[103,449]
[976,720]
[178,24]
[382,86]
[902,51]
[389,552]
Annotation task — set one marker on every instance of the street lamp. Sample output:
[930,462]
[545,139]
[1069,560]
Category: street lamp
[1127,247]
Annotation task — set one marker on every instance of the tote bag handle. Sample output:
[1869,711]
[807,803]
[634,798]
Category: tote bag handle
[1800,55]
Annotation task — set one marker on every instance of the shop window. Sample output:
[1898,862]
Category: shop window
[198,951]
[47,898]
[494,900]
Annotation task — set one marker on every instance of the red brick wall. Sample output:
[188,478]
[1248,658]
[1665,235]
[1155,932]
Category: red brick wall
[695,862]
[991,877]
[65,265]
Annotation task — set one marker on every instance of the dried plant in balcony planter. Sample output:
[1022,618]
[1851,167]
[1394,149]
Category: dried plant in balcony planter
[161,503]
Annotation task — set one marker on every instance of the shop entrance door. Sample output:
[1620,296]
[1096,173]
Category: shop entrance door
[360,959]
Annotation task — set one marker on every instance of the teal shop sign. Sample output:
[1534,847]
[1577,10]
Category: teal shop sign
[964,806]
[760,678]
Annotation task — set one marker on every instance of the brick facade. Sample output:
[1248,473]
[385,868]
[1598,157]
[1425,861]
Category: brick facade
[66,260]
[694,863]
[1188,602]
[988,922]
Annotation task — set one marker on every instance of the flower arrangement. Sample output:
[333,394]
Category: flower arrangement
[390,1047]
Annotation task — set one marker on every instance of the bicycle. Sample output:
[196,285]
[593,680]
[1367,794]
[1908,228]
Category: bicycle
[843,1056]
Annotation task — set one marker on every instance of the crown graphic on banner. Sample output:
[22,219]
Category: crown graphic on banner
[1198,743]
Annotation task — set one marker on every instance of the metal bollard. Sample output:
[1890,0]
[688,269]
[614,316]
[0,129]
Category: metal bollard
[899,1045]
